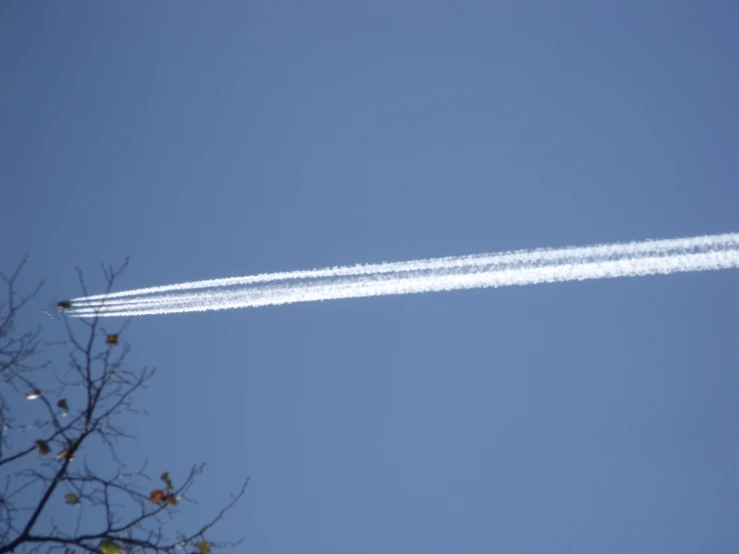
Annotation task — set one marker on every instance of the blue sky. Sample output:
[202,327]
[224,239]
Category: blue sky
[217,139]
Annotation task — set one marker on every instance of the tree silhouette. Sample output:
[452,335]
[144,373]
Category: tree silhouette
[44,445]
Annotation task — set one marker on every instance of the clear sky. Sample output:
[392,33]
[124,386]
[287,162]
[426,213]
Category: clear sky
[215,139]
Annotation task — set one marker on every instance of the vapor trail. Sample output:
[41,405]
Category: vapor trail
[574,254]
[442,274]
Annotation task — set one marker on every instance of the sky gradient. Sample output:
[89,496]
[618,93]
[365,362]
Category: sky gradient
[231,138]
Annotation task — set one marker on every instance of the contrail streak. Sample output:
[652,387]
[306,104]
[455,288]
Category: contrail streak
[440,274]
[521,256]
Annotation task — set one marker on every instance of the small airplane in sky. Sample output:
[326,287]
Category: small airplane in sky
[62,305]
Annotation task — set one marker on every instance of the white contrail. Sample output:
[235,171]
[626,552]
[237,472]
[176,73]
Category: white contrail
[522,268]
[649,247]
[386,285]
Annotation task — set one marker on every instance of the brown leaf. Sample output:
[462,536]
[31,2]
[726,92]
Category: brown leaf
[65,455]
[204,547]
[109,547]
[112,340]
[167,480]
[171,500]
[157,496]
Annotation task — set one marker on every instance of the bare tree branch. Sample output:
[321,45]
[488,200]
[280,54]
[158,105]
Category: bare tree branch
[121,513]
